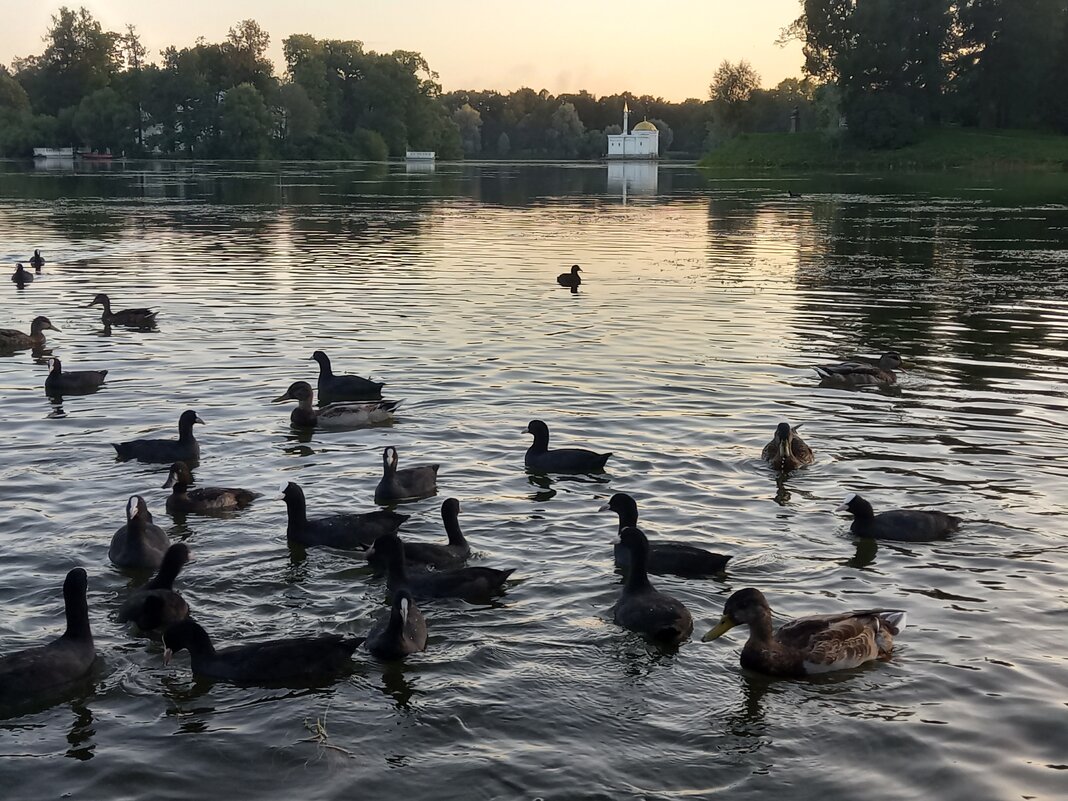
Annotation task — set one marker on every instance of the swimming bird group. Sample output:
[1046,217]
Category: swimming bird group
[417,571]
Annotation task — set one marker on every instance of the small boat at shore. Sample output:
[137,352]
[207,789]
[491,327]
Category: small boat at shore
[55,153]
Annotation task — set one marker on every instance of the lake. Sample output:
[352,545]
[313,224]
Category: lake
[705,302]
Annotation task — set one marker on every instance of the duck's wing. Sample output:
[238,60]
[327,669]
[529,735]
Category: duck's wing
[836,642]
[847,369]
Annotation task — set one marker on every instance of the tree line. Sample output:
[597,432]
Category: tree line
[880,69]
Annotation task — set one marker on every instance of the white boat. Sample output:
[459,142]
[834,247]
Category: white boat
[419,155]
[64,153]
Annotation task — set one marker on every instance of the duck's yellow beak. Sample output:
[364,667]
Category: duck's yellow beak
[281,398]
[726,623]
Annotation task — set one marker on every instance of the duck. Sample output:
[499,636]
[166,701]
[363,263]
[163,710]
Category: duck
[559,460]
[903,525]
[399,632]
[808,645]
[157,605]
[132,318]
[335,415]
[642,608]
[334,388]
[787,451]
[665,557]
[346,531]
[140,544]
[571,279]
[22,276]
[794,194]
[432,554]
[76,382]
[881,373]
[300,660]
[13,339]
[473,584]
[37,260]
[183,501]
[409,484]
[184,449]
[29,675]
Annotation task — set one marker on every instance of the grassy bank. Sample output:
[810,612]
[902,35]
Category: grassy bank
[938,150]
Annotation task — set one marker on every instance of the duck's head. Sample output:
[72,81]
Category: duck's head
[137,509]
[784,438]
[537,428]
[402,604]
[175,558]
[55,366]
[856,506]
[450,508]
[185,635]
[298,391]
[575,269]
[188,419]
[100,300]
[891,360]
[290,492]
[179,474]
[623,505]
[320,357]
[389,458]
[42,323]
[748,606]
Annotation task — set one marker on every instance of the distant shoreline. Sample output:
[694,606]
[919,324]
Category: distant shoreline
[945,149]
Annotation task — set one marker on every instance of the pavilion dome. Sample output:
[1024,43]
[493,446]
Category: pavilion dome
[645,125]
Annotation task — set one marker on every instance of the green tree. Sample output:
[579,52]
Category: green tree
[567,134]
[667,136]
[12,96]
[104,121]
[731,89]
[300,117]
[80,57]
[244,123]
[469,121]
[504,144]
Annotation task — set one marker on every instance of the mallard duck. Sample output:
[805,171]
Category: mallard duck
[334,388]
[13,339]
[346,531]
[32,674]
[184,449]
[336,415]
[861,373]
[409,484]
[37,260]
[787,451]
[182,500]
[140,544]
[808,645]
[399,632]
[571,279]
[22,276]
[300,660]
[157,605]
[431,554]
[559,460]
[904,525]
[473,584]
[132,318]
[76,382]
[665,557]
[641,607]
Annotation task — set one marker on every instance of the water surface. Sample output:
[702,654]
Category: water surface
[705,301]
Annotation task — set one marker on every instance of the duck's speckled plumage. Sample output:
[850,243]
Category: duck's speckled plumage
[183,500]
[131,318]
[808,645]
[13,339]
[861,373]
[334,415]
[787,451]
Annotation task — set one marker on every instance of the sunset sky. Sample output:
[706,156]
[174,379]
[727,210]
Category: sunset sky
[557,45]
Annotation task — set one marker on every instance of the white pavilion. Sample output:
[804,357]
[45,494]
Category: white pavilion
[641,143]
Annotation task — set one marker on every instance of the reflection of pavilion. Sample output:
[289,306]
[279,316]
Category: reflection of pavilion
[413,165]
[632,178]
